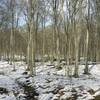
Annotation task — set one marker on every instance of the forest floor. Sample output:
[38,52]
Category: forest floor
[48,84]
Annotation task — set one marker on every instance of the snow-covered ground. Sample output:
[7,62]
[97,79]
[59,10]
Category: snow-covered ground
[50,83]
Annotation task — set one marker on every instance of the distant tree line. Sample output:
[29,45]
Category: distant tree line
[60,29]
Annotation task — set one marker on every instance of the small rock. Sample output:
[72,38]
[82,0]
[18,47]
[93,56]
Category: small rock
[91,91]
[25,73]
[73,90]
[56,97]
[3,90]
[61,92]
[97,95]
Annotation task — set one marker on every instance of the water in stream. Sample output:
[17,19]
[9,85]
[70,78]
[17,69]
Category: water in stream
[10,88]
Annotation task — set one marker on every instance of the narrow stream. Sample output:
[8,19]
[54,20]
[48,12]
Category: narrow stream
[19,91]
[28,91]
